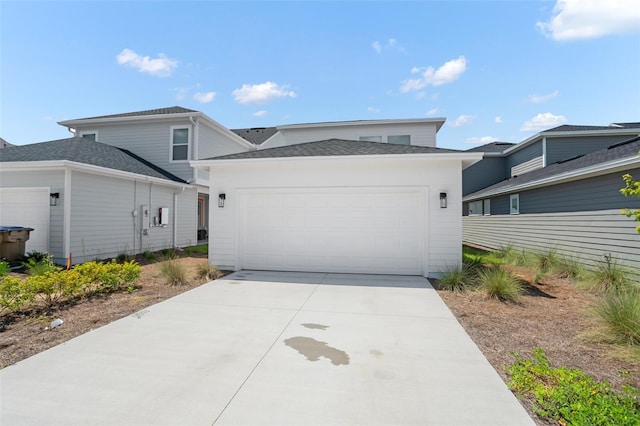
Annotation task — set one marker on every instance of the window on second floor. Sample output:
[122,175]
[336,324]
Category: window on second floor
[399,139]
[480,207]
[371,138]
[90,135]
[179,143]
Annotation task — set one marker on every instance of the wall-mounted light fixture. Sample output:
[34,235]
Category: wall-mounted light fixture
[221,197]
[53,198]
[443,200]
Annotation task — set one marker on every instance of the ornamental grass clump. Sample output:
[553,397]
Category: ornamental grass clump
[607,276]
[499,283]
[618,316]
[173,272]
[455,278]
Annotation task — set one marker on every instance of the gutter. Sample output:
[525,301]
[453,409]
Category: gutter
[175,216]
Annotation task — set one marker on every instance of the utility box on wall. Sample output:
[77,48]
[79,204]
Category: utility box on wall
[144,217]
[163,213]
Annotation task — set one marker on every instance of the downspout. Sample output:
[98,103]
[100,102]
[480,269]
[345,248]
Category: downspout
[544,151]
[175,217]
[196,136]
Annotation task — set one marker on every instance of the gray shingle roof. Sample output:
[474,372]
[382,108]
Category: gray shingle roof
[635,125]
[335,147]
[159,111]
[625,149]
[579,128]
[256,135]
[5,144]
[492,147]
[80,150]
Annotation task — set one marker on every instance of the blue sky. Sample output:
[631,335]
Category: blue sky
[497,70]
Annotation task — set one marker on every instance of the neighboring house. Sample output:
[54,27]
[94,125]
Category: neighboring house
[88,200]
[338,206]
[418,132]
[169,138]
[559,190]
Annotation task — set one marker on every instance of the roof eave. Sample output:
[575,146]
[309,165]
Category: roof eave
[573,133]
[439,121]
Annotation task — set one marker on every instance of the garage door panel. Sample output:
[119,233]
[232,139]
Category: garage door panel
[374,230]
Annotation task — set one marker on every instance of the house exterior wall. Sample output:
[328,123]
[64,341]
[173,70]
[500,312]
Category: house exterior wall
[594,193]
[103,224]
[585,236]
[560,149]
[523,155]
[149,140]
[488,171]
[47,178]
[444,228]
[423,134]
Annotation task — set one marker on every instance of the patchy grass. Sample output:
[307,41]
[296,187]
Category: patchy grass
[173,272]
[199,249]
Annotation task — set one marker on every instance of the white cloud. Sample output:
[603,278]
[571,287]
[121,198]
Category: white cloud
[434,111]
[390,44]
[160,66]
[536,99]
[261,93]
[261,113]
[542,122]
[373,110]
[450,71]
[463,120]
[585,19]
[204,97]
[481,140]
[498,119]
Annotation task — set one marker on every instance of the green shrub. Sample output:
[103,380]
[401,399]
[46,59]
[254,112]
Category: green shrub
[54,286]
[149,256]
[516,257]
[499,283]
[108,277]
[619,316]
[608,276]
[38,263]
[123,257]
[173,272]
[570,397]
[13,295]
[455,278]
[568,267]
[543,261]
[4,269]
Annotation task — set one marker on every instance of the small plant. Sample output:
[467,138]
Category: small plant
[567,267]
[4,269]
[207,271]
[131,289]
[608,276]
[544,261]
[37,263]
[618,313]
[569,396]
[173,272]
[500,284]
[123,257]
[149,256]
[168,253]
[516,257]
[455,278]
[537,278]
[13,296]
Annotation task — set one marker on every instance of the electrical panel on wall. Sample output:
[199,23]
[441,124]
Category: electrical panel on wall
[144,217]
[164,216]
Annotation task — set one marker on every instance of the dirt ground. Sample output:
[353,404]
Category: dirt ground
[552,315]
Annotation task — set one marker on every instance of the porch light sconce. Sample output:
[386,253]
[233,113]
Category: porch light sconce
[443,200]
[221,197]
[53,198]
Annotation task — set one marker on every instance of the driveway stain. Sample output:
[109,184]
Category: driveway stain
[313,349]
[315,326]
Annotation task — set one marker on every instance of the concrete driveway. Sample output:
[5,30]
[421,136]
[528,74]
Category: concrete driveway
[269,348]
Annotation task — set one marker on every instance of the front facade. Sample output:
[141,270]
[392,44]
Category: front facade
[573,205]
[338,206]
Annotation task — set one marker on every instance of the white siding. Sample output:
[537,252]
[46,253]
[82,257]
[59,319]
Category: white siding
[443,245]
[103,224]
[527,166]
[213,143]
[586,236]
[53,179]
[423,134]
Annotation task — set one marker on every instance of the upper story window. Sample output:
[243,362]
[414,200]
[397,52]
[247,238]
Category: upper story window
[486,207]
[514,204]
[399,139]
[179,143]
[480,207]
[371,138]
[90,135]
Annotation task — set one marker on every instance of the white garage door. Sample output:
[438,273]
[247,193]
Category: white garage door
[356,230]
[28,207]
